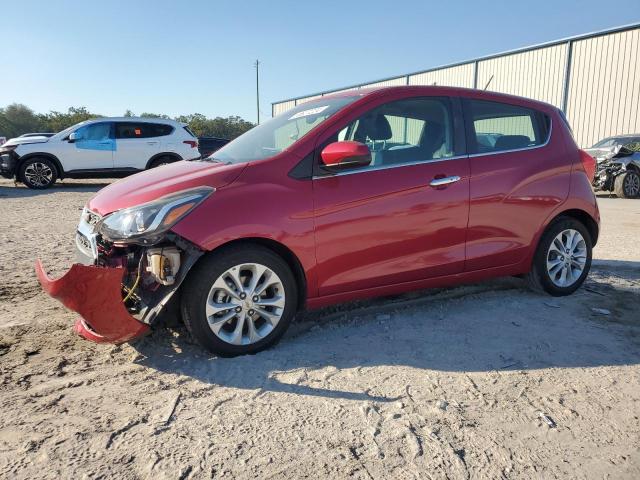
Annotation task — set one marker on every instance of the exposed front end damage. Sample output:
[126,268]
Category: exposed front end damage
[119,289]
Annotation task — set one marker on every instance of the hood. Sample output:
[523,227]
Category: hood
[24,141]
[602,153]
[160,181]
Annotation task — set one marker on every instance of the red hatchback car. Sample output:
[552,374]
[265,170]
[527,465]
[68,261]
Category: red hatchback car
[353,195]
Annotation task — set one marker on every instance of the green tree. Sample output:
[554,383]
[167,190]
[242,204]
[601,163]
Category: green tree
[58,121]
[17,119]
[229,127]
[154,115]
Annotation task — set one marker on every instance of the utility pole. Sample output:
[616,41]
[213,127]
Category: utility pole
[257,65]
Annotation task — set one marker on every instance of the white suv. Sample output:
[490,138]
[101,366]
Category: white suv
[100,148]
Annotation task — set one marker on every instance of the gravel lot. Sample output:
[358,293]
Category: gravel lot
[441,384]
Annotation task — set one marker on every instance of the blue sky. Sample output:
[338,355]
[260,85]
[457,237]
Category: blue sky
[185,57]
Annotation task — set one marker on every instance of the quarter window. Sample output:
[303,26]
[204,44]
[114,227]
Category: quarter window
[142,130]
[499,126]
[405,131]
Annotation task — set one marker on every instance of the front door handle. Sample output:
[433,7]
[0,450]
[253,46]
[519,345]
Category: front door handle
[441,182]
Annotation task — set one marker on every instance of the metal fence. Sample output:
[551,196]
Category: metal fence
[594,78]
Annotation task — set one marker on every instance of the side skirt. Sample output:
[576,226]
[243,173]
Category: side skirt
[437,282]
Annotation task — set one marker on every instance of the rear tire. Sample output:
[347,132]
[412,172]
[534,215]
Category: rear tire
[627,185]
[563,258]
[38,173]
[229,309]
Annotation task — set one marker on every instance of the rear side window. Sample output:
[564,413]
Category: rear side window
[498,127]
[142,130]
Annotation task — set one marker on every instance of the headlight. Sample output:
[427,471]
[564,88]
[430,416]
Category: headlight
[146,223]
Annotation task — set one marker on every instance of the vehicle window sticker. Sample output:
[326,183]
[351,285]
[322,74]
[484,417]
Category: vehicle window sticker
[311,111]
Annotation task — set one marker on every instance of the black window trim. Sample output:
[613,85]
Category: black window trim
[471,131]
[116,122]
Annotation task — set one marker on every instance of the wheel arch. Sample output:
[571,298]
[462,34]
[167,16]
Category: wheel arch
[48,156]
[633,167]
[173,155]
[583,217]
[283,252]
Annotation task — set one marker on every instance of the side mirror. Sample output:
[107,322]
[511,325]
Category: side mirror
[74,136]
[345,155]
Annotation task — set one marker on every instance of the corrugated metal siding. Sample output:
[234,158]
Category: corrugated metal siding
[307,99]
[506,126]
[604,87]
[537,74]
[282,107]
[394,82]
[460,76]
[603,97]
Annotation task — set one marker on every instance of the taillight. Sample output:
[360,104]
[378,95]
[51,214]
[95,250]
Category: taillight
[191,143]
[589,164]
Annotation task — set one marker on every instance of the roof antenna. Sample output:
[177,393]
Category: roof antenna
[487,85]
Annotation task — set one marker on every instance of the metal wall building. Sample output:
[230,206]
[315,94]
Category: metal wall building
[594,78]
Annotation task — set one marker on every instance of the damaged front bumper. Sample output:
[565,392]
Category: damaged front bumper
[96,294]
[8,162]
[115,289]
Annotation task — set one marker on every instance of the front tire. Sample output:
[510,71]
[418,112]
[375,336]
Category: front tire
[239,300]
[563,258]
[164,160]
[627,185]
[38,173]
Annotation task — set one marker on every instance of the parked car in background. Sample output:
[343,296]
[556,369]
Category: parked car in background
[208,145]
[619,171]
[47,135]
[608,147]
[99,148]
[353,195]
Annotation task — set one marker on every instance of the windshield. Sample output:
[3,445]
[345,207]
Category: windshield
[68,130]
[279,133]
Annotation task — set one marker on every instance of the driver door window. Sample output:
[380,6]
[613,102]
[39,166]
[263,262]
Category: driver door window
[405,131]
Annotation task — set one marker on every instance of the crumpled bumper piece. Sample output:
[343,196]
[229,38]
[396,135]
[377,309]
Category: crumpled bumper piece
[94,292]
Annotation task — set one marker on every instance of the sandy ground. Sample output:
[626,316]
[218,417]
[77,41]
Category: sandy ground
[440,384]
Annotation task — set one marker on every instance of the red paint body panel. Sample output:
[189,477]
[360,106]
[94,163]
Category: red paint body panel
[388,226]
[94,292]
[511,195]
[152,184]
[262,203]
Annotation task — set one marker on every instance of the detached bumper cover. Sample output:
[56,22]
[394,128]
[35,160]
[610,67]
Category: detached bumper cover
[95,293]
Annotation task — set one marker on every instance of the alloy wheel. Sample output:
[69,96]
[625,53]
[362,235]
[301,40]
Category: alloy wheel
[245,304]
[632,184]
[566,258]
[38,174]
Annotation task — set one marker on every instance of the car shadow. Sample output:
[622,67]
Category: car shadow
[10,190]
[477,328]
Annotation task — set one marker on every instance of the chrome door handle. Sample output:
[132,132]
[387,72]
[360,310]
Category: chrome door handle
[440,182]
